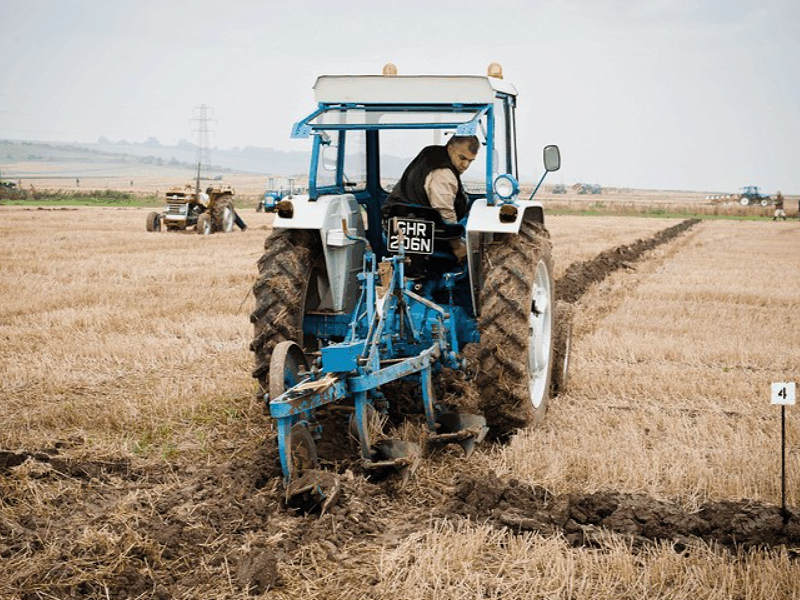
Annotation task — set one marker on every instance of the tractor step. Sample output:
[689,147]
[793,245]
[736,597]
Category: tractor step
[464,429]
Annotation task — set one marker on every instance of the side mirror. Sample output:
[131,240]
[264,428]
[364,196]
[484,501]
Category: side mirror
[552,158]
[329,157]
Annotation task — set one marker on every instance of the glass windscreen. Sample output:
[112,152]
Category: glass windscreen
[400,146]
[354,177]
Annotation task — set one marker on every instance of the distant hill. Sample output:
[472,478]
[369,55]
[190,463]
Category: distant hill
[20,158]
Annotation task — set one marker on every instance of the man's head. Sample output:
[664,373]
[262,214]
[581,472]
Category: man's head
[462,150]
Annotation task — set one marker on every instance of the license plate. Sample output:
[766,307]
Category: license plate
[417,236]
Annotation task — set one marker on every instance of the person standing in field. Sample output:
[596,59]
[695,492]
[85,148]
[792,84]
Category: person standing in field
[779,212]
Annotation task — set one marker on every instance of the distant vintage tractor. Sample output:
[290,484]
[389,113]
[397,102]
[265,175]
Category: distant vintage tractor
[350,299]
[751,195]
[209,212]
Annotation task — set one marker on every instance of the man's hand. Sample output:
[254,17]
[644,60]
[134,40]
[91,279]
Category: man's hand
[459,249]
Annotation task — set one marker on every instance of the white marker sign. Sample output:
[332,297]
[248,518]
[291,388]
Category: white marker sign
[783,393]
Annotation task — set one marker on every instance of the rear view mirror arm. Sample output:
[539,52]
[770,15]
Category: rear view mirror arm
[536,189]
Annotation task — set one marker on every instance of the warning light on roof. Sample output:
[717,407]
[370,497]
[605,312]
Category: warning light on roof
[495,70]
[389,70]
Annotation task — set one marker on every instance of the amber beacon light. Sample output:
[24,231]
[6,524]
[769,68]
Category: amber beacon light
[495,70]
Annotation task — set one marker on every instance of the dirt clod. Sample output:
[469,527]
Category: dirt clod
[258,572]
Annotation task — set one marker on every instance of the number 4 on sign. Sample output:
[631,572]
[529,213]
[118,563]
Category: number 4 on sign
[783,393]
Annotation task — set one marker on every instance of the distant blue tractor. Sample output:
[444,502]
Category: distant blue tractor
[349,300]
[273,195]
[751,195]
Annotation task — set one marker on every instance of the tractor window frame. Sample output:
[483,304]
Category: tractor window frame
[482,123]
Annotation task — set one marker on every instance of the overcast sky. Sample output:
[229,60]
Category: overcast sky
[662,94]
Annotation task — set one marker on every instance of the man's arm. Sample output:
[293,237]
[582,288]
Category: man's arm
[441,186]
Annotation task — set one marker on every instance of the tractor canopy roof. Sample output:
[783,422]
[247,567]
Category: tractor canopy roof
[409,89]
[402,102]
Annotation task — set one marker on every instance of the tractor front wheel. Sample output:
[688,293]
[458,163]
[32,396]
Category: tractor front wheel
[153,222]
[514,357]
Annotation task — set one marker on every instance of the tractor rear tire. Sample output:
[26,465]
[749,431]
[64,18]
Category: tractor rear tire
[281,292]
[562,346]
[222,215]
[153,222]
[514,370]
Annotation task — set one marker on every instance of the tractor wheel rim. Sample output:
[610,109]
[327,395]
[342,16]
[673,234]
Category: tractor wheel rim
[540,335]
[227,220]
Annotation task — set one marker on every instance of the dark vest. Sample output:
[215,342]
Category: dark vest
[411,187]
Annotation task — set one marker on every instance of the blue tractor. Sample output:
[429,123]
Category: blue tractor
[751,195]
[350,300]
[273,195]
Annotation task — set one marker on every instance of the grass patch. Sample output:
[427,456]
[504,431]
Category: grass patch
[78,198]
[655,213]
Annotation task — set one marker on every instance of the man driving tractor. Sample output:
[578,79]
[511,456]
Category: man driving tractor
[433,179]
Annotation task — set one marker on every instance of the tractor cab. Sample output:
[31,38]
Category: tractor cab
[366,129]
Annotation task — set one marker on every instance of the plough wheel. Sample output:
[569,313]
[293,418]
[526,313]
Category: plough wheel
[297,449]
[285,365]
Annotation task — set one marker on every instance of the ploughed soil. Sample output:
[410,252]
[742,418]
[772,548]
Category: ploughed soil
[582,518]
[580,275]
[78,526]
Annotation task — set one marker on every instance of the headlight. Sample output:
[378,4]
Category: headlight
[505,186]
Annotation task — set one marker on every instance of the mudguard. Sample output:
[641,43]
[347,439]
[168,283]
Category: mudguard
[485,219]
[343,256]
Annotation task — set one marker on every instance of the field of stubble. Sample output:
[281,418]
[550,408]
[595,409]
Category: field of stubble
[136,460]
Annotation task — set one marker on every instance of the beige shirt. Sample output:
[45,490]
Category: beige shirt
[441,186]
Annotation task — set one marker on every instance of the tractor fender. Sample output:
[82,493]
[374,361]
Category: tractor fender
[343,256]
[484,219]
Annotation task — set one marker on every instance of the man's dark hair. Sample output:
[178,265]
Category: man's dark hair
[472,140]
